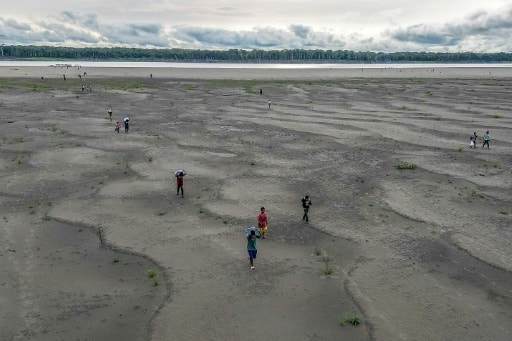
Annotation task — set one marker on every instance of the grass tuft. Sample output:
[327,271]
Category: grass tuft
[405,165]
[353,319]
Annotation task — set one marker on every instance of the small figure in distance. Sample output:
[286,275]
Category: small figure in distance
[251,247]
[487,138]
[261,92]
[472,141]
[118,126]
[110,114]
[126,124]
[262,223]
[306,202]
[269,103]
[180,174]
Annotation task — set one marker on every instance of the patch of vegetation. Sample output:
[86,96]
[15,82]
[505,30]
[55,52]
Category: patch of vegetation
[353,319]
[115,260]
[152,274]
[189,86]
[200,209]
[437,118]
[460,149]
[496,116]
[37,86]
[327,269]
[161,213]
[383,215]
[122,85]
[475,193]
[405,165]
[504,212]
[150,159]
[249,90]
[156,281]
[46,217]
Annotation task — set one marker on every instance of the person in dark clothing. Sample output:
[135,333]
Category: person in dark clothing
[179,181]
[306,202]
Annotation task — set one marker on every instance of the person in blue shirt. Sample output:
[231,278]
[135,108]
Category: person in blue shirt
[487,138]
[251,247]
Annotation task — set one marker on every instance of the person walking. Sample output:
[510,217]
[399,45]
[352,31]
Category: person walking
[126,124]
[472,140]
[269,103]
[251,247]
[110,114]
[118,127]
[306,202]
[487,138]
[262,223]
[180,174]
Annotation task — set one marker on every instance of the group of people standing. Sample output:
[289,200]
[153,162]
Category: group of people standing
[263,228]
[472,140]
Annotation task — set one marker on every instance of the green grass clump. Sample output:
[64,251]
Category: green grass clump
[353,319]
[153,276]
[405,165]
[328,269]
[503,212]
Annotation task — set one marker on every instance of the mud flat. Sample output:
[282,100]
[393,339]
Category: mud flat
[409,229]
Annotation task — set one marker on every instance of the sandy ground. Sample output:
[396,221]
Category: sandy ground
[416,254]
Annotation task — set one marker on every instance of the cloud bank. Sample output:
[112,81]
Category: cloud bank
[482,31]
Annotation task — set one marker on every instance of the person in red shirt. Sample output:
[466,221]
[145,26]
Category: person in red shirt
[179,181]
[262,223]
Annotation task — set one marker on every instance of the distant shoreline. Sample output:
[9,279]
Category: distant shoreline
[197,72]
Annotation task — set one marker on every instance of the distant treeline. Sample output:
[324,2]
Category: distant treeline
[245,56]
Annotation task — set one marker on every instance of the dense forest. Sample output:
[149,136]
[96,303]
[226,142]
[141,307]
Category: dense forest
[243,56]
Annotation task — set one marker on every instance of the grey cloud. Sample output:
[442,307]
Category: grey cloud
[11,23]
[423,34]
[300,30]
[483,25]
[135,35]
[89,20]
[296,36]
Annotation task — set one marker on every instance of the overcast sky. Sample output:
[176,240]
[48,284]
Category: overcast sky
[359,25]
